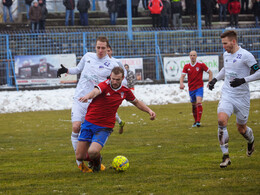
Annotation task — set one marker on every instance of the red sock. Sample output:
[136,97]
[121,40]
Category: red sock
[199,111]
[194,111]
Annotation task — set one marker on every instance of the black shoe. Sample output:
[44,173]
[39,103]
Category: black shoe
[225,161]
[250,149]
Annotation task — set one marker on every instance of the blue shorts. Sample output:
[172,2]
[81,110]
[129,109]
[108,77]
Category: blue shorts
[94,133]
[195,93]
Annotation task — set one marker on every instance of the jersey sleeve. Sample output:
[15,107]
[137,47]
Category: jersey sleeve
[102,86]
[78,69]
[185,69]
[205,68]
[250,60]
[130,96]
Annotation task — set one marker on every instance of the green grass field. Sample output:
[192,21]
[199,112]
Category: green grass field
[166,156]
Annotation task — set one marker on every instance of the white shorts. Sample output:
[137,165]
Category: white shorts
[79,110]
[239,106]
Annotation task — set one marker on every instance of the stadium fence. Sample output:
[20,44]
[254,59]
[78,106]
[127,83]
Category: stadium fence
[152,46]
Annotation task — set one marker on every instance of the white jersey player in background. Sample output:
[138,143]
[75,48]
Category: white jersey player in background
[235,97]
[124,82]
[94,68]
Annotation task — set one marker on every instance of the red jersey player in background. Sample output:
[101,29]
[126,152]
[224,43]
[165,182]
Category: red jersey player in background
[194,70]
[100,117]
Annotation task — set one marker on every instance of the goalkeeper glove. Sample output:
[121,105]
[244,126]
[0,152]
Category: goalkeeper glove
[212,83]
[61,70]
[237,82]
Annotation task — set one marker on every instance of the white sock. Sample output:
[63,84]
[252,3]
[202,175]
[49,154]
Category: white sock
[74,141]
[249,136]
[118,119]
[223,139]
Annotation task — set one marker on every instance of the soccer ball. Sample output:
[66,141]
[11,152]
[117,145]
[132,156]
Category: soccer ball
[120,163]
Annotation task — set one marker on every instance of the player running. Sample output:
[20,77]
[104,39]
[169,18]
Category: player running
[100,118]
[235,97]
[94,68]
[194,70]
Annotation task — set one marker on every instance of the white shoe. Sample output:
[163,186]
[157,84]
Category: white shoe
[226,161]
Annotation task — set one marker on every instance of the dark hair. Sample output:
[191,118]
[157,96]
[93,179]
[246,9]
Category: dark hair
[117,70]
[126,65]
[109,46]
[230,34]
[102,39]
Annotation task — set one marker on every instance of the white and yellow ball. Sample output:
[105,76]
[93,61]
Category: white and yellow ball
[120,163]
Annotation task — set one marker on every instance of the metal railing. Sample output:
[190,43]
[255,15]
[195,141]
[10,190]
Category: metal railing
[152,46]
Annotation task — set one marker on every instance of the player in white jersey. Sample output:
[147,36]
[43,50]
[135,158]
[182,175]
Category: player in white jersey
[235,97]
[124,82]
[94,68]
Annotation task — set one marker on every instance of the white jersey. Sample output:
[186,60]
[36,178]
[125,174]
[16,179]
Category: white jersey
[93,71]
[237,65]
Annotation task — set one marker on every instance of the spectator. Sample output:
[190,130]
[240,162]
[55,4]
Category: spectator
[145,4]
[234,10]
[70,6]
[28,5]
[256,12]
[243,2]
[7,5]
[166,13]
[112,6]
[130,77]
[35,14]
[155,7]
[83,6]
[135,4]
[222,9]
[44,15]
[207,7]
[122,9]
[176,11]
[191,11]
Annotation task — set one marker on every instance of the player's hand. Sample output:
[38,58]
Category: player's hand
[212,83]
[152,115]
[61,70]
[182,86]
[237,82]
[83,99]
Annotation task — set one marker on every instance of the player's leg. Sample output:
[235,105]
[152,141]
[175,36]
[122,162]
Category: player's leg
[98,141]
[82,148]
[194,108]
[225,110]
[199,97]
[121,123]
[242,113]
[78,113]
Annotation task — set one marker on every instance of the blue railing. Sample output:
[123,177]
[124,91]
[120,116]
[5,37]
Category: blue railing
[152,46]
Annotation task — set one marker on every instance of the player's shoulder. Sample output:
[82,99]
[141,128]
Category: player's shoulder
[113,61]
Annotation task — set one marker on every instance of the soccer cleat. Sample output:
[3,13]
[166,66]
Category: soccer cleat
[83,168]
[198,124]
[121,127]
[91,166]
[226,161]
[250,149]
[194,125]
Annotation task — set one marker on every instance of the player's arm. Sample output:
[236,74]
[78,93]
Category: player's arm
[182,80]
[219,76]
[91,95]
[253,77]
[140,105]
[210,76]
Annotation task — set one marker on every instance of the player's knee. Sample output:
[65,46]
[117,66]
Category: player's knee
[241,128]
[76,127]
[93,153]
[79,156]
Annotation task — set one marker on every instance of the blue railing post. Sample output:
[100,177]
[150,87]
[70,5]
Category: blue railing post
[157,67]
[93,5]
[85,49]
[8,80]
[199,16]
[129,20]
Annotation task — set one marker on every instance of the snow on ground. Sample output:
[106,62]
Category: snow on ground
[61,99]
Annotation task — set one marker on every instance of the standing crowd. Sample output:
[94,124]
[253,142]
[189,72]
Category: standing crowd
[163,12]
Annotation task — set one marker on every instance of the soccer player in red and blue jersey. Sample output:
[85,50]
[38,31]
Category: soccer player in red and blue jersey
[100,117]
[194,70]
